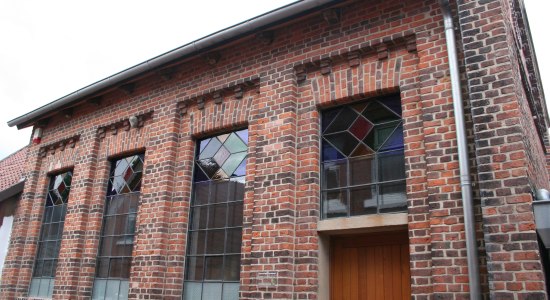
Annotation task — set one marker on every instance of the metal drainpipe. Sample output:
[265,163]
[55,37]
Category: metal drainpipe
[465,182]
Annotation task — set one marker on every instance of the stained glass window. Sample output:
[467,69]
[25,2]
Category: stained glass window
[119,225]
[216,218]
[363,162]
[50,235]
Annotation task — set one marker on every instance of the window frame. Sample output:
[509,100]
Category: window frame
[212,185]
[108,197]
[376,181]
[42,239]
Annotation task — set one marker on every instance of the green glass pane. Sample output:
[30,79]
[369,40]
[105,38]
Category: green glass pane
[379,135]
[137,164]
[343,141]
[234,144]
[67,178]
[211,149]
[378,113]
[233,162]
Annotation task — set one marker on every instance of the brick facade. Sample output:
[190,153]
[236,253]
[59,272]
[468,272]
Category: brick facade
[277,89]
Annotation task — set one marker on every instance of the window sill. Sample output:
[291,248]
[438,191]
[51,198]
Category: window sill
[366,223]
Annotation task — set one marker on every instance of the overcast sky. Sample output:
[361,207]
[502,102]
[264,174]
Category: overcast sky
[52,48]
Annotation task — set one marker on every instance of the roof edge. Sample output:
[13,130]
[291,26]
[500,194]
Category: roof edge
[192,48]
[12,190]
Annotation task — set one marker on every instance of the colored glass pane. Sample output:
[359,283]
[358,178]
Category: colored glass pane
[215,235]
[243,134]
[393,103]
[360,107]
[366,141]
[361,150]
[378,113]
[343,141]
[221,155]
[328,117]
[241,169]
[330,153]
[343,121]
[210,149]
[360,128]
[233,162]
[395,141]
[234,144]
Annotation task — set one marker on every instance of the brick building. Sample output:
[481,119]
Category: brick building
[318,151]
[11,186]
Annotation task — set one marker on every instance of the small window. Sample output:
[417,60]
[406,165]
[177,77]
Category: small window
[51,232]
[363,162]
[119,226]
[216,218]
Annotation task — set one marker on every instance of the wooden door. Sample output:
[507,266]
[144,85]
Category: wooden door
[370,267]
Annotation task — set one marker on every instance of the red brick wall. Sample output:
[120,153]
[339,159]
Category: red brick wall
[378,47]
[509,154]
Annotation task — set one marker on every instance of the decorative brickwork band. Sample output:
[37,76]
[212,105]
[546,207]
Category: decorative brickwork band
[124,124]
[51,148]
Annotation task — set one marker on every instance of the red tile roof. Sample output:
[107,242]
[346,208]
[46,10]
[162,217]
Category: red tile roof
[11,168]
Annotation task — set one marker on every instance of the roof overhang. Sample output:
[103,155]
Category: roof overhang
[12,190]
[207,43]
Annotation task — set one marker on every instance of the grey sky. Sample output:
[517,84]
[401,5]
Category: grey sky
[52,48]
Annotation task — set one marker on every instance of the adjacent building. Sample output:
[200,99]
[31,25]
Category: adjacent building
[323,150]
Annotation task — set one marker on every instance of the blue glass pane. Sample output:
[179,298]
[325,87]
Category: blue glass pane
[243,134]
[393,103]
[241,169]
[203,144]
[395,141]
[330,153]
